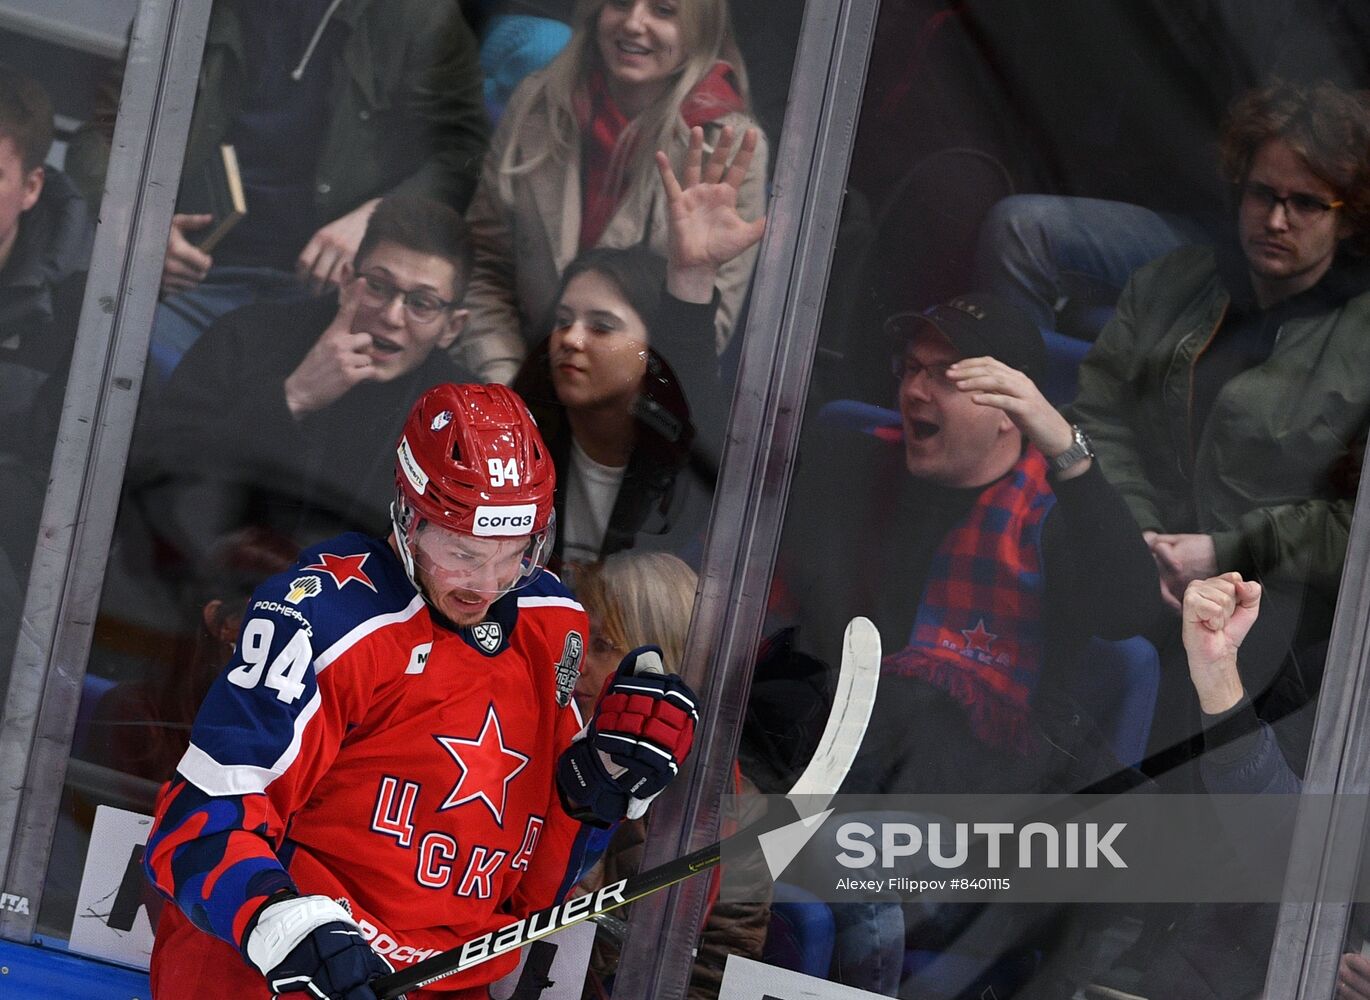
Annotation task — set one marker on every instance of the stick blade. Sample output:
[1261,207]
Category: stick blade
[857,682]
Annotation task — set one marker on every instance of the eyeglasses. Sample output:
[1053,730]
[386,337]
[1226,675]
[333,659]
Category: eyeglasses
[903,368]
[420,306]
[1298,205]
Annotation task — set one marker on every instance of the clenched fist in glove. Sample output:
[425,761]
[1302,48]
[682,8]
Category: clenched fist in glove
[311,944]
[634,744]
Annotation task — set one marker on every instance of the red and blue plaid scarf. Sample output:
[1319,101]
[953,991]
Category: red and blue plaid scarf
[978,633]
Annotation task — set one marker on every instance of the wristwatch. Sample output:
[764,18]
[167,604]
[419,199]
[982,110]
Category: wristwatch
[1079,449]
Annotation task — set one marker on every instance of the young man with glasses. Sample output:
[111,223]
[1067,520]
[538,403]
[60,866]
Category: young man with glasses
[1230,386]
[280,411]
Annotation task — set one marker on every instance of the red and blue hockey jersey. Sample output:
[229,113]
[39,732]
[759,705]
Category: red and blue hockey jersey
[356,748]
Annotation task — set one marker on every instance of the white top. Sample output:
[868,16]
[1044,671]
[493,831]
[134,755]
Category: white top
[591,491]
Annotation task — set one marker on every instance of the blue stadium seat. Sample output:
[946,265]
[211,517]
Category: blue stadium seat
[802,932]
[1063,362]
[862,418]
[92,690]
[1125,677]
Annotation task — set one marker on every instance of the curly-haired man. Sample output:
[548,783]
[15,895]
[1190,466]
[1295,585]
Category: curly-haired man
[1228,390]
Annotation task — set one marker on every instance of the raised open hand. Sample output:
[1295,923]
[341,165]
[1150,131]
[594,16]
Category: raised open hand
[705,229]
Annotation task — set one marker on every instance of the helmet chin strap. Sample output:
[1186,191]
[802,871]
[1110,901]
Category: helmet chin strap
[400,516]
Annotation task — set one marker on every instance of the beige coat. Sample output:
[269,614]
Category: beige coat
[525,229]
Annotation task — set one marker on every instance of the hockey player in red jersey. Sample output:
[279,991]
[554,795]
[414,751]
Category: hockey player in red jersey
[392,763]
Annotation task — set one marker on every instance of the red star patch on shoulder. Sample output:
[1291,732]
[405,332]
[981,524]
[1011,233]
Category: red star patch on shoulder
[344,569]
[487,767]
[979,637]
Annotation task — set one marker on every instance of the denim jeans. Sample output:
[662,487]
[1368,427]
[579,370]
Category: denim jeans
[1042,251]
[868,949]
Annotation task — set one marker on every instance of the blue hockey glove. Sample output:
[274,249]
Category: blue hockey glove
[634,744]
[311,944]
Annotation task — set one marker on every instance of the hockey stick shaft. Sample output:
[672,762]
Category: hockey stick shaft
[548,921]
[852,704]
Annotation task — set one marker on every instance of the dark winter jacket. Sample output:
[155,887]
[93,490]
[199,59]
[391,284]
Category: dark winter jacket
[221,449]
[1258,474]
[41,284]
[861,537]
[407,112]
[1242,755]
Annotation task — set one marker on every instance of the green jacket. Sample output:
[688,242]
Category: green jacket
[407,115]
[1260,476]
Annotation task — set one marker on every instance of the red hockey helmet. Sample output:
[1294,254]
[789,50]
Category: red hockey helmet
[471,461]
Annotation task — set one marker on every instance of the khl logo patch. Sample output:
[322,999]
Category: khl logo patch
[488,636]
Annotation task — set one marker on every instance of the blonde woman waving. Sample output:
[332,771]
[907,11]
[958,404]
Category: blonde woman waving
[571,166]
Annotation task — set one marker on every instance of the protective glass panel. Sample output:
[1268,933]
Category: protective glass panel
[305,116]
[62,75]
[55,66]
[298,322]
[1108,216]
[634,569]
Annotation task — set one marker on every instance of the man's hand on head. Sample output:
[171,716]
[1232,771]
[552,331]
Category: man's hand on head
[337,361]
[331,251]
[990,382]
[1217,614]
[185,264]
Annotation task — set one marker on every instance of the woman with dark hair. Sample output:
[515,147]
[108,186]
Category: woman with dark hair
[570,167]
[625,388]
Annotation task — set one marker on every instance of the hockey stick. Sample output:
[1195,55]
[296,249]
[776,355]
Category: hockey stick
[824,774]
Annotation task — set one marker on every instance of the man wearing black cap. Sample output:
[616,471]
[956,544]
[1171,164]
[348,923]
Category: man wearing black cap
[983,542]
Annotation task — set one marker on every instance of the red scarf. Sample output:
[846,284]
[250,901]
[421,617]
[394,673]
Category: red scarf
[978,633]
[602,127]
